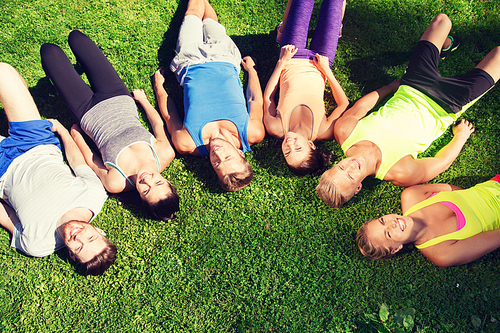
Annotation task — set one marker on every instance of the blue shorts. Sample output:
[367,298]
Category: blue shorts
[23,136]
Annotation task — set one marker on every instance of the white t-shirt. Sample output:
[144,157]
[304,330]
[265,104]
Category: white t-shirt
[41,189]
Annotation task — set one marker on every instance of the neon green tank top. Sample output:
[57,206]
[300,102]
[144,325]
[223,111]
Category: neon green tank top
[480,206]
[406,125]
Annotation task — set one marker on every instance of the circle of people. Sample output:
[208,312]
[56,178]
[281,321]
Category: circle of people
[47,204]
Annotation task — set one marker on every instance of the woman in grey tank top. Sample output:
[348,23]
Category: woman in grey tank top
[132,158]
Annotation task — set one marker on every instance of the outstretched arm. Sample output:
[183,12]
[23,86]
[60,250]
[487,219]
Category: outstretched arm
[271,121]
[460,252]
[409,171]
[163,147]
[153,116]
[256,130]
[180,136]
[338,93]
[346,123]
[73,153]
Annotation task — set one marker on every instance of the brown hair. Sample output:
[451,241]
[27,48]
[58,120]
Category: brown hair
[368,249]
[165,208]
[101,262]
[237,180]
[315,163]
[330,193]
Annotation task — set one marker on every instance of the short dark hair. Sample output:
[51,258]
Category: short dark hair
[331,194]
[101,262]
[165,208]
[315,164]
[237,180]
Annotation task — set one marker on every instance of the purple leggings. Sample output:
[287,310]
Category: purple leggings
[325,37]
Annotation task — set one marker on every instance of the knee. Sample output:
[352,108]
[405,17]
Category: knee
[7,72]
[442,19]
[75,35]
[49,50]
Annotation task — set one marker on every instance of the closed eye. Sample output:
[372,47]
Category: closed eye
[160,182]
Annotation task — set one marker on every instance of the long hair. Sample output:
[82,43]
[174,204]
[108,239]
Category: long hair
[368,249]
[101,262]
[165,208]
[315,163]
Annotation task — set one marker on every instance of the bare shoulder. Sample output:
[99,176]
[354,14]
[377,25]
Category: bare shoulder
[255,131]
[404,172]
[183,142]
[114,181]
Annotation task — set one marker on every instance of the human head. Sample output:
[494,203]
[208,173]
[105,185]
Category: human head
[232,170]
[302,156]
[383,237]
[158,194]
[339,184]
[88,246]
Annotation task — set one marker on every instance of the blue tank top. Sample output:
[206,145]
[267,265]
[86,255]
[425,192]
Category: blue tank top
[213,91]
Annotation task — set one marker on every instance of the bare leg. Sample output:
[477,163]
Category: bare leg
[437,31]
[196,7]
[491,63]
[15,96]
[210,12]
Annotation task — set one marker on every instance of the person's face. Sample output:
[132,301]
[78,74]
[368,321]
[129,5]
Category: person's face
[296,148]
[348,174]
[225,158]
[83,240]
[152,186]
[390,231]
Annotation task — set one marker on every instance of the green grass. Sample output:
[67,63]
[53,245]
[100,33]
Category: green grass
[271,257]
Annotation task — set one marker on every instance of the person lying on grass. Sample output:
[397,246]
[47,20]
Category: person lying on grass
[299,118]
[385,143]
[216,123]
[47,205]
[449,225]
[132,158]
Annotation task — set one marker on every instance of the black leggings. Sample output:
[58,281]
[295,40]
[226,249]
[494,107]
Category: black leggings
[76,94]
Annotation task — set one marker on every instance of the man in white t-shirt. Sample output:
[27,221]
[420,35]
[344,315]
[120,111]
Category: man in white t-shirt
[47,205]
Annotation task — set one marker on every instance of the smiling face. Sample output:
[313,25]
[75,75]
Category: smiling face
[82,239]
[390,232]
[152,186]
[225,158]
[347,175]
[296,148]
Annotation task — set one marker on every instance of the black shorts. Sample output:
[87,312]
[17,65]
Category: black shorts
[451,93]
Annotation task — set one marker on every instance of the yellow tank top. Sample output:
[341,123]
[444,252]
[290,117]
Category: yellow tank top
[301,83]
[480,206]
[406,125]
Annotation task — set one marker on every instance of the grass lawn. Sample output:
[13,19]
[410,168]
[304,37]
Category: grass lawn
[271,257]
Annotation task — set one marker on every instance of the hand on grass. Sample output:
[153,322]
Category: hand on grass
[248,63]
[139,95]
[463,129]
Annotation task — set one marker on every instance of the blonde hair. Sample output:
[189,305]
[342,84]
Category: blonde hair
[368,249]
[330,193]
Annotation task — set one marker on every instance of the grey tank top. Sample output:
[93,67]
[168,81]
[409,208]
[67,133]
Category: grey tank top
[114,125]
